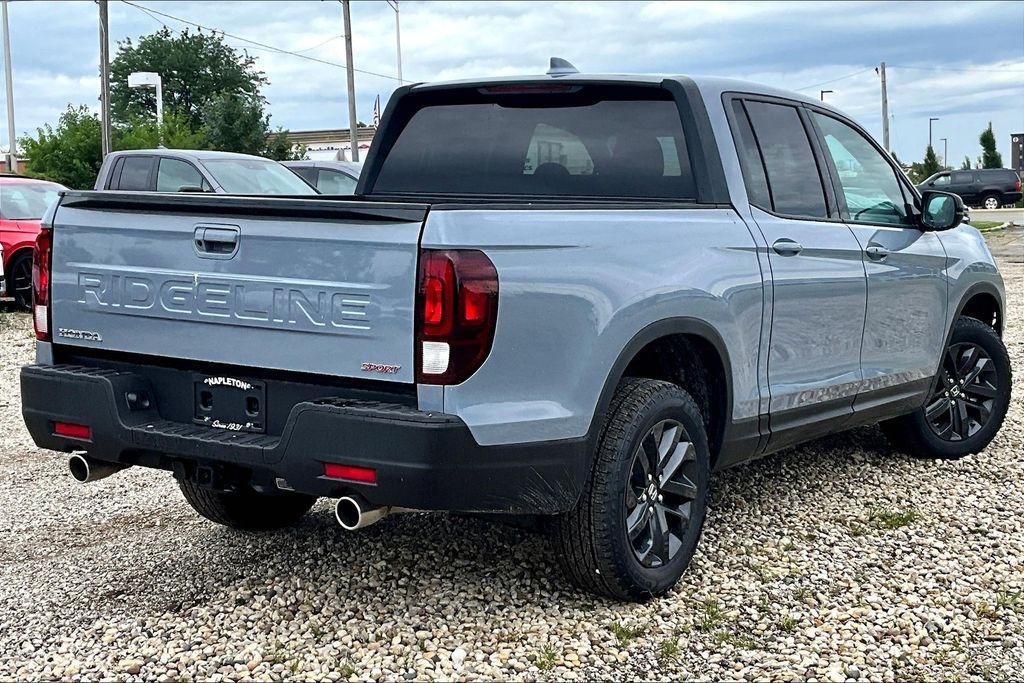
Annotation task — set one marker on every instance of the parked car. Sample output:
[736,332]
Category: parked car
[23,201]
[182,170]
[571,297]
[987,188]
[328,177]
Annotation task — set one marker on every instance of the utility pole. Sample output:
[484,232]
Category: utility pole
[945,152]
[104,80]
[822,93]
[885,110]
[930,120]
[349,68]
[398,44]
[12,155]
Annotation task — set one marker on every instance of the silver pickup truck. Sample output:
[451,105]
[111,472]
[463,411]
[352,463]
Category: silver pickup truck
[569,296]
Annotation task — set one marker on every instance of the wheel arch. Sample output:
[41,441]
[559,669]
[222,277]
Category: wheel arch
[981,301]
[18,251]
[701,366]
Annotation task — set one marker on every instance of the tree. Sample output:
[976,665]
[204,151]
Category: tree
[236,123]
[69,154]
[990,157]
[966,166]
[146,135]
[280,148]
[920,171]
[195,68]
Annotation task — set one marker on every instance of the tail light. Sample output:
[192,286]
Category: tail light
[456,312]
[42,258]
[1018,185]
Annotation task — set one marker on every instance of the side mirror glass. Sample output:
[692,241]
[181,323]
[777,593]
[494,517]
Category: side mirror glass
[941,211]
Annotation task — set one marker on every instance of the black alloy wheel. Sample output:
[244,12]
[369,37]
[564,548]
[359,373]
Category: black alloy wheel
[963,400]
[661,491]
[20,286]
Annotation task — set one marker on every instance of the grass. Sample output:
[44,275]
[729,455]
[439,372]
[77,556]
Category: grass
[885,518]
[712,618]
[545,658]
[346,670]
[788,623]
[986,225]
[668,649]
[738,640]
[624,633]
[1013,601]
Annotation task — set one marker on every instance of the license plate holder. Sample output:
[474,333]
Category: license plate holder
[234,404]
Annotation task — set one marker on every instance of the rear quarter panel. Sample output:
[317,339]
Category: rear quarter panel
[576,286]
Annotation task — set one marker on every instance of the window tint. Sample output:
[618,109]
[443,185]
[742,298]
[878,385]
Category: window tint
[307,173]
[963,178]
[595,142]
[941,180]
[135,173]
[789,162]
[750,159]
[174,174]
[335,182]
[255,176]
[869,183]
[27,200]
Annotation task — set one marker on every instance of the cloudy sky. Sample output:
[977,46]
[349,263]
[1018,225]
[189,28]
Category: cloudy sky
[960,61]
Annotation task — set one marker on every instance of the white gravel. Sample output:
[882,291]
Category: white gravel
[835,560]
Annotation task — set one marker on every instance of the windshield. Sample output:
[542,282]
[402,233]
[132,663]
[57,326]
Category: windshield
[255,176]
[27,201]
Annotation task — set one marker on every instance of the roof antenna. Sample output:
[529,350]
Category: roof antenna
[561,67]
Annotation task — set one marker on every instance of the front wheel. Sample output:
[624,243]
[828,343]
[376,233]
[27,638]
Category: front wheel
[991,202]
[20,285]
[247,509]
[968,402]
[636,525]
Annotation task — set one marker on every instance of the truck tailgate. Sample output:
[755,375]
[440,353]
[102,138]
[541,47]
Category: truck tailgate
[305,285]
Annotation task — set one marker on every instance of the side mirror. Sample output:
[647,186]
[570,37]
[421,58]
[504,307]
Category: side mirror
[941,210]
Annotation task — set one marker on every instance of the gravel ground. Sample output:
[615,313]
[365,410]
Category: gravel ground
[839,559]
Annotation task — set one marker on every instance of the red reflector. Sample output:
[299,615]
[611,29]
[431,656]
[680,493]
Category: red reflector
[364,475]
[433,301]
[474,305]
[72,430]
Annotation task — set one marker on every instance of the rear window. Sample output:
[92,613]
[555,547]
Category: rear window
[590,142]
[27,201]
[255,176]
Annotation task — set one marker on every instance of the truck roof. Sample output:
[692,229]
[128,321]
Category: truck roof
[188,153]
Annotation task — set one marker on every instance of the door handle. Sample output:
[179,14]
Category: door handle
[876,252]
[787,247]
[216,241]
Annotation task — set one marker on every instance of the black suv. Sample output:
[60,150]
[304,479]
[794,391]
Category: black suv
[988,188]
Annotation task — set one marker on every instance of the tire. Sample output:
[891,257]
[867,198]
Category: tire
[969,402]
[594,547]
[19,286]
[247,510]
[990,199]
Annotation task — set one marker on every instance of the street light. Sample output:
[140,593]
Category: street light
[945,152]
[933,118]
[150,79]
[825,92]
[398,40]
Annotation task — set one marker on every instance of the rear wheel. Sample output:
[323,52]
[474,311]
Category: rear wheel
[247,509]
[990,202]
[20,285]
[968,403]
[636,526]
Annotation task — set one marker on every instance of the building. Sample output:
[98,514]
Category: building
[324,145]
[1017,152]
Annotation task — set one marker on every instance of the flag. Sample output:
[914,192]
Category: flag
[376,112]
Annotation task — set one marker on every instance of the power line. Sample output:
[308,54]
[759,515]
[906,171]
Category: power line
[953,68]
[834,80]
[265,46]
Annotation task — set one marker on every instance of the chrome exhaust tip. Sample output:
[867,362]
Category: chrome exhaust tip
[85,469]
[351,515]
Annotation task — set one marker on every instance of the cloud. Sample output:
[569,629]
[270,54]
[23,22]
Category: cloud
[790,45]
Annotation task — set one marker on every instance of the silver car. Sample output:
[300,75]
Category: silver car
[329,177]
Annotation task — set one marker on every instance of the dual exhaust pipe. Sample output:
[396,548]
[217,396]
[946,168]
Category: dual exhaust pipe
[351,513]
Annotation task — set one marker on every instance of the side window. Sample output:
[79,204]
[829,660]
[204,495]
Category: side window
[941,180]
[750,159]
[335,182]
[135,173]
[793,178]
[963,178]
[174,174]
[307,173]
[115,175]
[869,183]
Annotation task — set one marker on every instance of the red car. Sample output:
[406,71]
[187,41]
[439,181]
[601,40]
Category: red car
[23,201]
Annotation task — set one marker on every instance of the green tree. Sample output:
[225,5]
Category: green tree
[920,171]
[279,148]
[990,157]
[236,123]
[195,68]
[69,154]
[146,135]
[966,166]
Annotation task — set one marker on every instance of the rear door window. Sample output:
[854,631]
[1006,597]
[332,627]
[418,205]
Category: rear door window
[963,178]
[335,182]
[137,173]
[750,159]
[586,142]
[793,178]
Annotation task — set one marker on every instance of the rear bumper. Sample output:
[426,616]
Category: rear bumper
[423,460]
